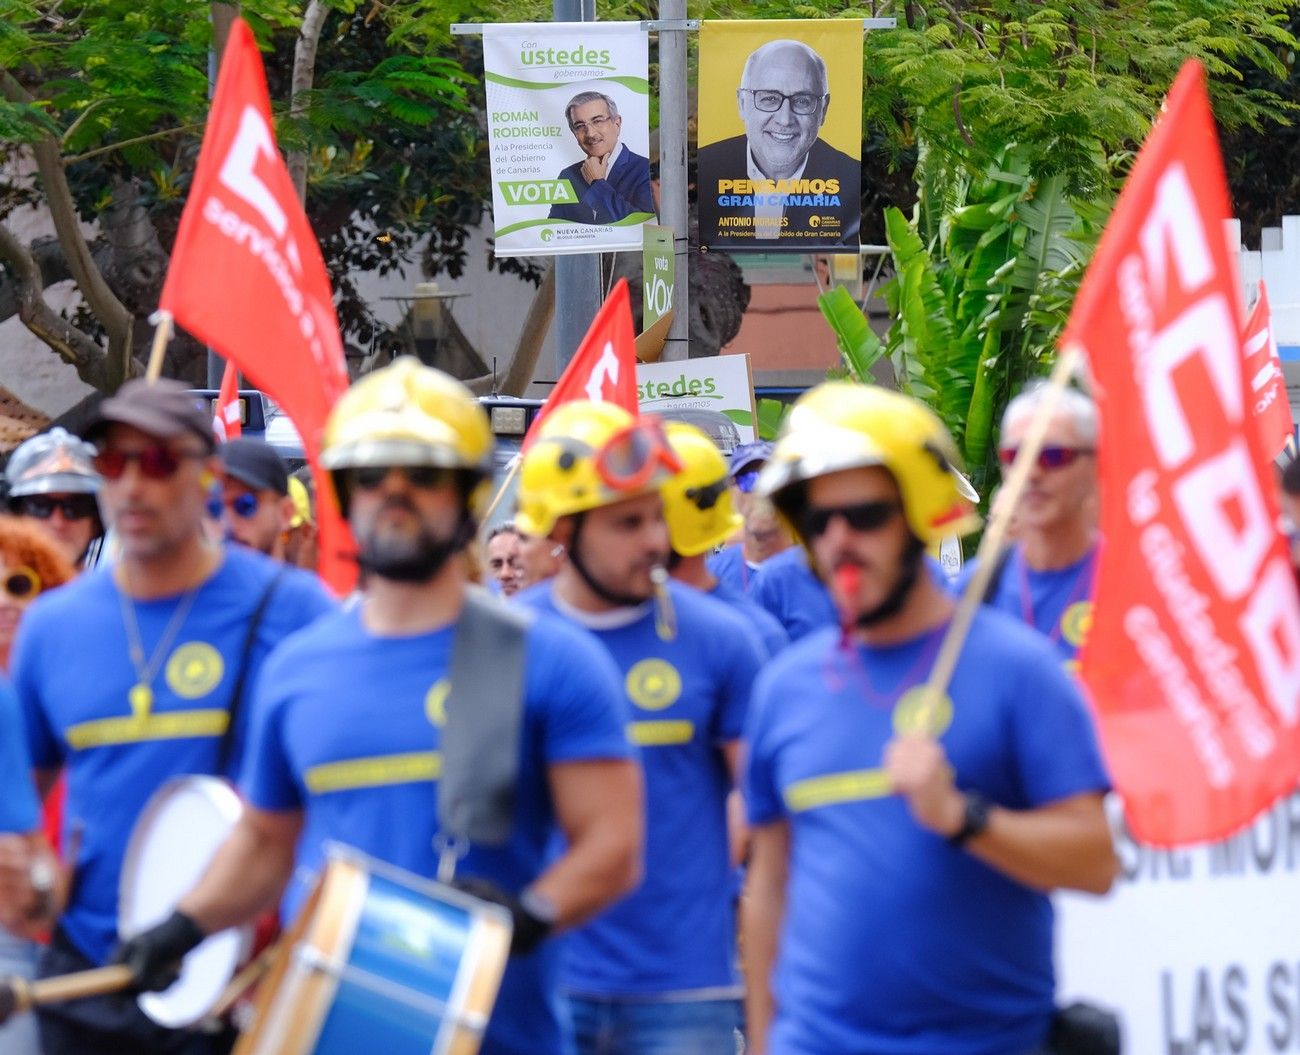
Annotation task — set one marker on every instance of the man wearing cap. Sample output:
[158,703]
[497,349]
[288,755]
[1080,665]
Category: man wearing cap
[903,845]
[253,505]
[354,720]
[656,972]
[51,478]
[763,535]
[134,674]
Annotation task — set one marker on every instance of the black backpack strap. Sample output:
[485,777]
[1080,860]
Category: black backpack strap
[485,708]
[241,672]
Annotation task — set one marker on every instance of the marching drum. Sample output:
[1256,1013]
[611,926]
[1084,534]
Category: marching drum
[171,846]
[381,960]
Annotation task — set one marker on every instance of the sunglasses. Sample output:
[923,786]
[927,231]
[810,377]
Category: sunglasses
[864,516]
[243,505]
[630,457]
[705,498]
[157,461]
[73,507]
[1049,458]
[22,584]
[368,477]
[745,481]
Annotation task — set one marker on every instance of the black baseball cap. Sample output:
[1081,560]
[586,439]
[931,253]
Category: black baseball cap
[255,464]
[164,408]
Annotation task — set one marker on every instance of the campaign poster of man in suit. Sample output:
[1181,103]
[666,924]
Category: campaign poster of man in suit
[781,184]
[611,182]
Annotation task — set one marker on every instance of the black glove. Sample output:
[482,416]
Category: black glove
[530,928]
[155,955]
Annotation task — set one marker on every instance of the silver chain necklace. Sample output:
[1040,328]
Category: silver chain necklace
[141,695]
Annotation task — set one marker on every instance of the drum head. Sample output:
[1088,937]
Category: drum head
[170,848]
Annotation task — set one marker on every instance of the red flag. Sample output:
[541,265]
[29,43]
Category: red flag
[1193,661]
[1267,385]
[226,423]
[603,369]
[247,277]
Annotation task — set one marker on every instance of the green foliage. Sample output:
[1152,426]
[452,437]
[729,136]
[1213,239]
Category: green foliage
[982,290]
[859,346]
[395,158]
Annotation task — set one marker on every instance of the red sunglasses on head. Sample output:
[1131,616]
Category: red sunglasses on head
[1049,458]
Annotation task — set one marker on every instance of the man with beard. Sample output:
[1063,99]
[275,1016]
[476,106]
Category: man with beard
[611,183]
[129,676]
[348,721]
[902,848]
[253,504]
[1046,577]
[656,972]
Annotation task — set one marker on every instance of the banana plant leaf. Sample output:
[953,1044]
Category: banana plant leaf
[859,346]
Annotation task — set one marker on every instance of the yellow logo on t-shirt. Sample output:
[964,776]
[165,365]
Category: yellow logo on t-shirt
[1076,621]
[194,670]
[653,684]
[435,702]
[913,713]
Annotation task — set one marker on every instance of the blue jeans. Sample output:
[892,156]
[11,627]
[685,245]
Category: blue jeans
[18,957]
[655,1027]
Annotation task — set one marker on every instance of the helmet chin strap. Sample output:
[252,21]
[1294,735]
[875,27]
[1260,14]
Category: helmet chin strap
[911,562]
[622,600]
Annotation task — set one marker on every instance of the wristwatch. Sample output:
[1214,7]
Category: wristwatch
[975,818]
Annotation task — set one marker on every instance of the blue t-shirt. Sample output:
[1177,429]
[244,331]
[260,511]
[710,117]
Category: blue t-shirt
[73,675]
[1056,603]
[729,566]
[787,588]
[767,625]
[19,810]
[895,942]
[688,696]
[346,728]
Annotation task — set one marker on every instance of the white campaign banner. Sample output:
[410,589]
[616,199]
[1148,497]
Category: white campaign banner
[714,393]
[1198,949]
[569,132]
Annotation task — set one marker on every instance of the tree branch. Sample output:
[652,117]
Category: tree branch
[73,346]
[109,148]
[304,74]
[101,300]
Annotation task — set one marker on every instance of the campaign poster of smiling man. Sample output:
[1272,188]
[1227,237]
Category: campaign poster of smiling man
[569,128]
[780,135]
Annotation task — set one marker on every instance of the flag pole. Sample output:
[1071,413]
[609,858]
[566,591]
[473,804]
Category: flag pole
[515,463]
[161,335]
[994,540]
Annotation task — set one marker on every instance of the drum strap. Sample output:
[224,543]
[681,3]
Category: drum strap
[241,672]
[485,708]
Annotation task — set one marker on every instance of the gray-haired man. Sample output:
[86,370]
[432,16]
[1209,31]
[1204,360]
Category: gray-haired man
[611,183]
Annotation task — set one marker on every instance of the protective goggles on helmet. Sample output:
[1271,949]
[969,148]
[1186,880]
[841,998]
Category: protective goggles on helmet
[630,456]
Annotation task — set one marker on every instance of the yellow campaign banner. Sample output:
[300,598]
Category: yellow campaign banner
[780,135]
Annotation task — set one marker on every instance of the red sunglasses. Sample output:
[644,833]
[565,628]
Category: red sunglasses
[157,461]
[1049,458]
